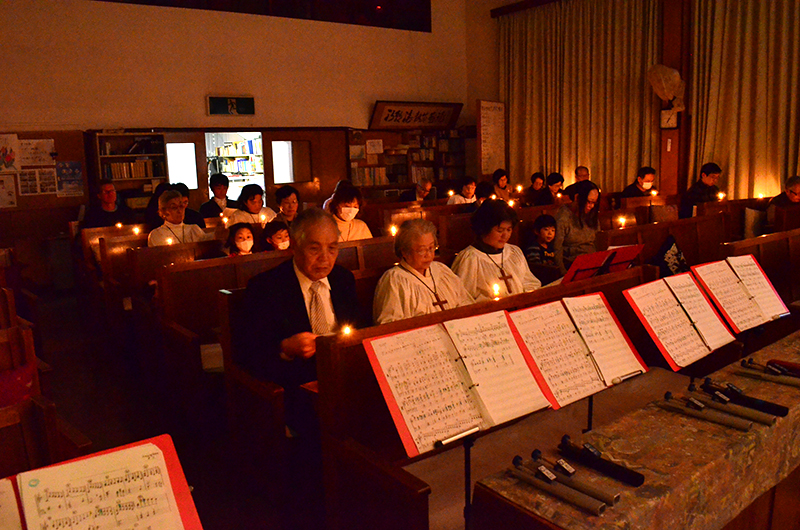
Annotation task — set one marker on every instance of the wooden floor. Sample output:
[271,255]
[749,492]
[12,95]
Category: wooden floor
[97,386]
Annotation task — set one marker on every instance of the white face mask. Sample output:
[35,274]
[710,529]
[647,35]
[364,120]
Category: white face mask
[647,185]
[283,245]
[348,214]
[245,245]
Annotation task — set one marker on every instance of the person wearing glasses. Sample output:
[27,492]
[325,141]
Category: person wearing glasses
[174,231]
[490,267]
[421,192]
[704,190]
[417,285]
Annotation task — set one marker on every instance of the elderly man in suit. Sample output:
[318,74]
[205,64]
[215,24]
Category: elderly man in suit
[290,305]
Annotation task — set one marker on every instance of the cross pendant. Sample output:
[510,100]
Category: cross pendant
[439,302]
[505,277]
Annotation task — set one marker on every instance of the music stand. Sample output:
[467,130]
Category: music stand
[599,263]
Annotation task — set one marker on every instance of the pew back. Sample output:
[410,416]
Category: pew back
[90,239]
[114,255]
[787,218]
[734,212]
[144,262]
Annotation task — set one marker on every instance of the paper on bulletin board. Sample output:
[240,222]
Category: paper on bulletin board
[69,176]
[374,147]
[37,152]
[8,192]
[28,183]
[37,181]
[9,152]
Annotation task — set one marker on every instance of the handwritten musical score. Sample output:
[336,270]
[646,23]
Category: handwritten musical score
[705,318]
[503,381]
[758,285]
[421,368]
[124,490]
[603,336]
[737,304]
[559,352]
[672,330]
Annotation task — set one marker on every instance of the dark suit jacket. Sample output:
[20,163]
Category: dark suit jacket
[211,208]
[277,311]
[699,192]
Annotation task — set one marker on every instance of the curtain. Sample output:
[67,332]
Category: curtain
[572,76]
[745,98]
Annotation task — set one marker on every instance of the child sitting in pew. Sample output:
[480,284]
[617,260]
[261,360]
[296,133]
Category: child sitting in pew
[240,240]
[542,252]
[276,236]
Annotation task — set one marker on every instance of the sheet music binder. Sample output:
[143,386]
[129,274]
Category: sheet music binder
[602,262]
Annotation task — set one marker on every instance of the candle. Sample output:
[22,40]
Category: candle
[263,217]
[760,195]
[221,214]
[653,192]
[118,225]
[347,330]
[450,193]
[519,188]
[393,230]
[496,289]
[136,230]
[721,195]
[558,195]
[493,197]
[169,241]
[511,203]
[622,222]
[225,221]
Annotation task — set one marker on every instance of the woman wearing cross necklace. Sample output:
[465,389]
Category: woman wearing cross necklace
[490,267]
[418,285]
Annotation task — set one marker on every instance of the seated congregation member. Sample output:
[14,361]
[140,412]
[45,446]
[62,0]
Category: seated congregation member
[581,174]
[790,196]
[418,285]
[704,190]
[191,217]
[484,190]
[501,189]
[288,199]
[251,208]
[577,225]
[344,205]
[108,211]
[642,186]
[532,192]
[295,302]
[341,184]
[549,193]
[542,251]
[173,230]
[219,202]
[276,236]
[151,216]
[240,240]
[490,260]
[467,193]
[421,192]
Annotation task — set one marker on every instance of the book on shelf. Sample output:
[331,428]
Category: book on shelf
[741,291]
[473,373]
[140,485]
[679,318]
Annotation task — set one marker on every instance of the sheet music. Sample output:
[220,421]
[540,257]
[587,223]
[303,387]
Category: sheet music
[757,284]
[504,382]
[604,338]
[705,318]
[743,311]
[124,490]
[669,322]
[559,352]
[421,370]
[9,514]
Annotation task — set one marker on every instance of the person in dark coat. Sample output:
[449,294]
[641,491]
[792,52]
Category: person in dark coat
[704,190]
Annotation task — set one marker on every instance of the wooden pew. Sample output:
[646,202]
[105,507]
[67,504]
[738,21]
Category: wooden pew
[90,240]
[373,214]
[697,237]
[651,200]
[366,485]
[734,214]
[787,218]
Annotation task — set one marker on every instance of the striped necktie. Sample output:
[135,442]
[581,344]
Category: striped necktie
[316,311]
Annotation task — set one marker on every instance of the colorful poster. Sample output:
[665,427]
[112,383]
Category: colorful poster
[69,176]
[47,180]
[9,151]
[8,193]
[37,152]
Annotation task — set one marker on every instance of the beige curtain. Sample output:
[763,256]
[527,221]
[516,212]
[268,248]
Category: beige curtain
[572,75]
[745,98]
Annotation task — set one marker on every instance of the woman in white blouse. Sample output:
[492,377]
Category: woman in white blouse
[251,208]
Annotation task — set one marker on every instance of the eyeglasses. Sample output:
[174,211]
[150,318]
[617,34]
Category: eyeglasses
[422,252]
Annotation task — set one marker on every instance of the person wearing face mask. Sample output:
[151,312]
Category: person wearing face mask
[577,225]
[174,231]
[643,185]
[344,205]
[418,285]
[240,240]
[276,236]
[251,208]
[491,267]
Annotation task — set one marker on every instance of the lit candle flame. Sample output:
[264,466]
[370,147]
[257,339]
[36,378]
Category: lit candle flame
[169,241]
[118,225]
[622,222]
[493,197]
[221,214]
[519,188]
[558,194]
[496,289]
[347,330]
[654,193]
[136,230]
[760,195]
[721,195]
[511,203]
[393,230]
[263,217]
[450,193]
[225,221]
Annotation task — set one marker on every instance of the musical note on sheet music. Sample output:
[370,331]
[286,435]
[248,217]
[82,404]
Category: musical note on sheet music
[123,490]
[505,385]
[705,319]
[672,327]
[559,351]
[747,269]
[723,284]
[421,368]
[606,342]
